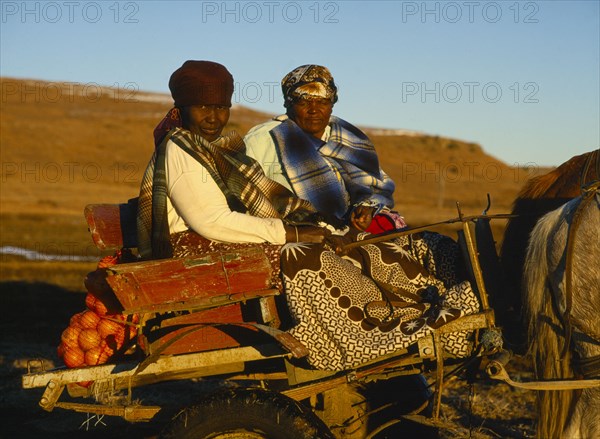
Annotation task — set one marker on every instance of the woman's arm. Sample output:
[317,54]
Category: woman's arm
[198,200]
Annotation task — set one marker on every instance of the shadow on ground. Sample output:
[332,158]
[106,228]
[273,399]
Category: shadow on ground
[36,311]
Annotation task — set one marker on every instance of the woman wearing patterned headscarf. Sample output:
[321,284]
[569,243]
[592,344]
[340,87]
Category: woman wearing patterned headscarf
[379,297]
[320,157]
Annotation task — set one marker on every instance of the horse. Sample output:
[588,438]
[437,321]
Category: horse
[561,302]
[539,196]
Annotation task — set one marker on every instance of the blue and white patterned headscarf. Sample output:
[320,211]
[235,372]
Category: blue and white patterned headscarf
[308,81]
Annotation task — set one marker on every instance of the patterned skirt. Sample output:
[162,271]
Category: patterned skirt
[378,299]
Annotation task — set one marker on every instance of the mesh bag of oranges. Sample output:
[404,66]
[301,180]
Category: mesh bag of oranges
[100,332]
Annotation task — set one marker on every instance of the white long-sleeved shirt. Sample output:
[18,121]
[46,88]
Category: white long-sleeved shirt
[194,201]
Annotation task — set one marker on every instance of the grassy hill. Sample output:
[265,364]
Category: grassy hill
[64,146]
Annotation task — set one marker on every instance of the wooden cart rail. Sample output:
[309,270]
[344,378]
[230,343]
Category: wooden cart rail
[111,378]
[127,374]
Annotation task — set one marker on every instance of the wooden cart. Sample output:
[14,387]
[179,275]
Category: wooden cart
[216,318]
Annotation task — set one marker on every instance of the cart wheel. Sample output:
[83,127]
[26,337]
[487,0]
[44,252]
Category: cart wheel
[247,414]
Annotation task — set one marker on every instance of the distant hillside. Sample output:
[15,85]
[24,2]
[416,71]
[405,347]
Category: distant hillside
[64,146]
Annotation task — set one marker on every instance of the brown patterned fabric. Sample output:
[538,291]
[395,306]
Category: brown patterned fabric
[378,299]
[372,302]
[439,254]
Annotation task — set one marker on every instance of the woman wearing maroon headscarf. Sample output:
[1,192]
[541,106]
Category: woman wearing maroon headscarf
[199,185]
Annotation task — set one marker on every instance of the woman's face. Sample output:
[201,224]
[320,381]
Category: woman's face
[207,121]
[312,115]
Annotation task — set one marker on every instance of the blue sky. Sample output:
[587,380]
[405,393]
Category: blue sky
[519,77]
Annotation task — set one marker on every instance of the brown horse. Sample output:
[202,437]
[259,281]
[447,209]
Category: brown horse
[539,196]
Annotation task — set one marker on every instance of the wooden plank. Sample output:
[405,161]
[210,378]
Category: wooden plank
[104,223]
[224,314]
[191,364]
[269,313]
[131,413]
[310,382]
[199,303]
[202,337]
[113,226]
[76,391]
[140,285]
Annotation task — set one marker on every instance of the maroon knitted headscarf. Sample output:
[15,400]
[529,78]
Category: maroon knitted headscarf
[194,83]
[201,82]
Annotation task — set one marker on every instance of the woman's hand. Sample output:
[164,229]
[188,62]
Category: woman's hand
[306,234]
[361,217]
[338,242]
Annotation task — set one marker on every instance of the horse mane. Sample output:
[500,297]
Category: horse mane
[539,196]
[545,333]
[562,182]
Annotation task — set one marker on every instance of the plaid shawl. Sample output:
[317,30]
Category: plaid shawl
[239,177]
[308,162]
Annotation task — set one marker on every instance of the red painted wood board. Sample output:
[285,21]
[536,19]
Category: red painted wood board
[206,330]
[215,277]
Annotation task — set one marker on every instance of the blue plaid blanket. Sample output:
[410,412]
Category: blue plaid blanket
[309,162]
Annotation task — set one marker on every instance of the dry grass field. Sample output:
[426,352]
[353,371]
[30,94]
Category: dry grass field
[65,147]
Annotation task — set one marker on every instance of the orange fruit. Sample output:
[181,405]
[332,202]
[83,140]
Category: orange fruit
[92,355]
[74,357]
[105,352]
[70,336]
[75,320]
[88,339]
[100,307]
[98,355]
[107,327]
[89,320]
[90,301]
